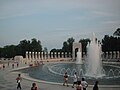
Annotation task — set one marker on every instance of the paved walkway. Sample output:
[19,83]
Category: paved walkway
[8,82]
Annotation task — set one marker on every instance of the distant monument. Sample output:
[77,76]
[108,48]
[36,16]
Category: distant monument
[18,58]
[76,45]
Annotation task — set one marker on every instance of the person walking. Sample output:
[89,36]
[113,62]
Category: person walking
[84,84]
[65,79]
[79,86]
[75,79]
[17,64]
[96,86]
[34,87]
[19,79]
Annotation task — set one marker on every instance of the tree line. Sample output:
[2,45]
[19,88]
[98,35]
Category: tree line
[10,51]
[109,43]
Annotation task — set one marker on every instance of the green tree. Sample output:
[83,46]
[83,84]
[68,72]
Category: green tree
[9,51]
[84,43]
[23,46]
[67,45]
[110,43]
[26,45]
[1,52]
[117,32]
[36,45]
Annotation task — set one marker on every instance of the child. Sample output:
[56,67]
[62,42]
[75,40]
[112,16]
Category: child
[79,86]
[65,79]
[34,87]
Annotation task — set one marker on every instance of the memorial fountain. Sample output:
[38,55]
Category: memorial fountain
[92,68]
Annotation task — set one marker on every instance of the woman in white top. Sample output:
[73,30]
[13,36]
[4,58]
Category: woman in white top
[75,79]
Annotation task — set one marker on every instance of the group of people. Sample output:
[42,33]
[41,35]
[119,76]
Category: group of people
[4,65]
[19,79]
[80,85]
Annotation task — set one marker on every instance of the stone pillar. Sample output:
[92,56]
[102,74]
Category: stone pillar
[55,54]
[51,55]
[110,55]
[114,54]
[62,54]
[26,55]
[48,55]
[65,54]
[107,56]
[33,56]
[45,55]
[118,54]
[58,54]
[29,55]
[39,55]
[69,54]
[36,55]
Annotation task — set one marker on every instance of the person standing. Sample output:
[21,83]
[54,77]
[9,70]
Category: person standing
[13,65]
[75,79]
[84,84]
[96,86]
[65,79]
[17,64]
[19,79]
[3,66]
[34,87]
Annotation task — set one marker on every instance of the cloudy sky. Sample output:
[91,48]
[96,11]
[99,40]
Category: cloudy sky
[54,21]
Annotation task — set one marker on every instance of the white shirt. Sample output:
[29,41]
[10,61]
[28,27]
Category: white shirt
[84,84]
[75,78]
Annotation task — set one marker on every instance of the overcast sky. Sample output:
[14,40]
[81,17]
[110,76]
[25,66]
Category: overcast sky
[54,21]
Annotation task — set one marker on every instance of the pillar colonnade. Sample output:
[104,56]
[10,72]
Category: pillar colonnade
[46,55]
[55,55]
